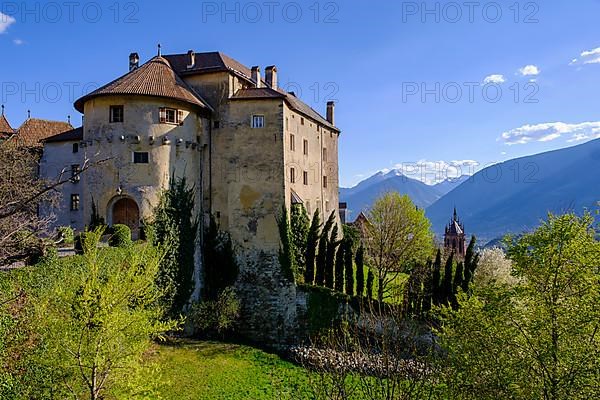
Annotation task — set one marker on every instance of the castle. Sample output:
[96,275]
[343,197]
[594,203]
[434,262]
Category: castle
[246,146]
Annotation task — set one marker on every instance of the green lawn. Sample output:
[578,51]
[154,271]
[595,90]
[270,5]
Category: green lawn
[209,370]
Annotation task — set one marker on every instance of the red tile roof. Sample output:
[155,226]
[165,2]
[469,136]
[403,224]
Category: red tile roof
[155,78]
[5,128]
[294,102]
[73,135]
[34,131]
[207,62]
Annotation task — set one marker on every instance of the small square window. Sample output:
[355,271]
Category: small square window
[293,175]
[326,206]
[140,157]
[325,154]
[74,202]
[292,143]
[116,114]
[301,121]
[170,116]
[325,182]
[305,177]
[258,121]
[75,147]
[305,147]
[75,171]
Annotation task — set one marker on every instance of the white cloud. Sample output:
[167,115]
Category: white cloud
[496,78]
[529,70]
[547,132]
[5,22]
[587,57]
[18,42]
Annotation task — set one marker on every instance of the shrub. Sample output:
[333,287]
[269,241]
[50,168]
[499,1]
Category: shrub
[216,317]
[121,236]
[67,234]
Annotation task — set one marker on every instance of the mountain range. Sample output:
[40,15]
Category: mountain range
[362,196]
[510,197]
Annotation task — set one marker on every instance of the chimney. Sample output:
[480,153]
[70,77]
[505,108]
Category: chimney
[331,112]
[271,76]
[134,61]
[191,59]
[256,76]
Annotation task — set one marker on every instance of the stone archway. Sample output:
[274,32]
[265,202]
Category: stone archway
[125,211]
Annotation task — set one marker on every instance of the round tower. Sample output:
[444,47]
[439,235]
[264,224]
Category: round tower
[139,131]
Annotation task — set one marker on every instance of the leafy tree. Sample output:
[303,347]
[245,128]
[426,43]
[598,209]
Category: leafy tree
[349,267]
[220,268]
[312,241]
[339,269]
[447,287]
[322,255]
[175,227]
[360,271]
[286,252]
[538,338]
[299,225]
[398,235]
[494,269]
[95,319]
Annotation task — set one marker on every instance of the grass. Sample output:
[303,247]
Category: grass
[210,370]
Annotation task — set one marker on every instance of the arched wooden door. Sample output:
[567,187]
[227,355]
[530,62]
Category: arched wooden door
[126,212]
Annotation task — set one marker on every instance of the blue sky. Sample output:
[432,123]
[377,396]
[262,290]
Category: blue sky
[395,68]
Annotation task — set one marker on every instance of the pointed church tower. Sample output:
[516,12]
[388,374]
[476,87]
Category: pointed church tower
[454,237]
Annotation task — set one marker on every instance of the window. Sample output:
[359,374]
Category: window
[301,121]
[326,206]
[217,124]
[292,143]
[325,182]
[287,123]
[75,147]
[140,157]
[74,202]
[325,154]
[305,177]
[308,210]
[75,170]
[116,113]
[258,121]
[305,147]
[293,175]
[170,116]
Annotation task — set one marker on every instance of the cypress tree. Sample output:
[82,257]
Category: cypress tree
[312,241]
[458,283]
[176,226]
[370,279]
[458,278]
[437,276]
[286,251]
[447,284]
[322,254]
[349,268]
[360,271]
[471,261]
[428,288]
[332,245]
[339,269]
[299,225]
